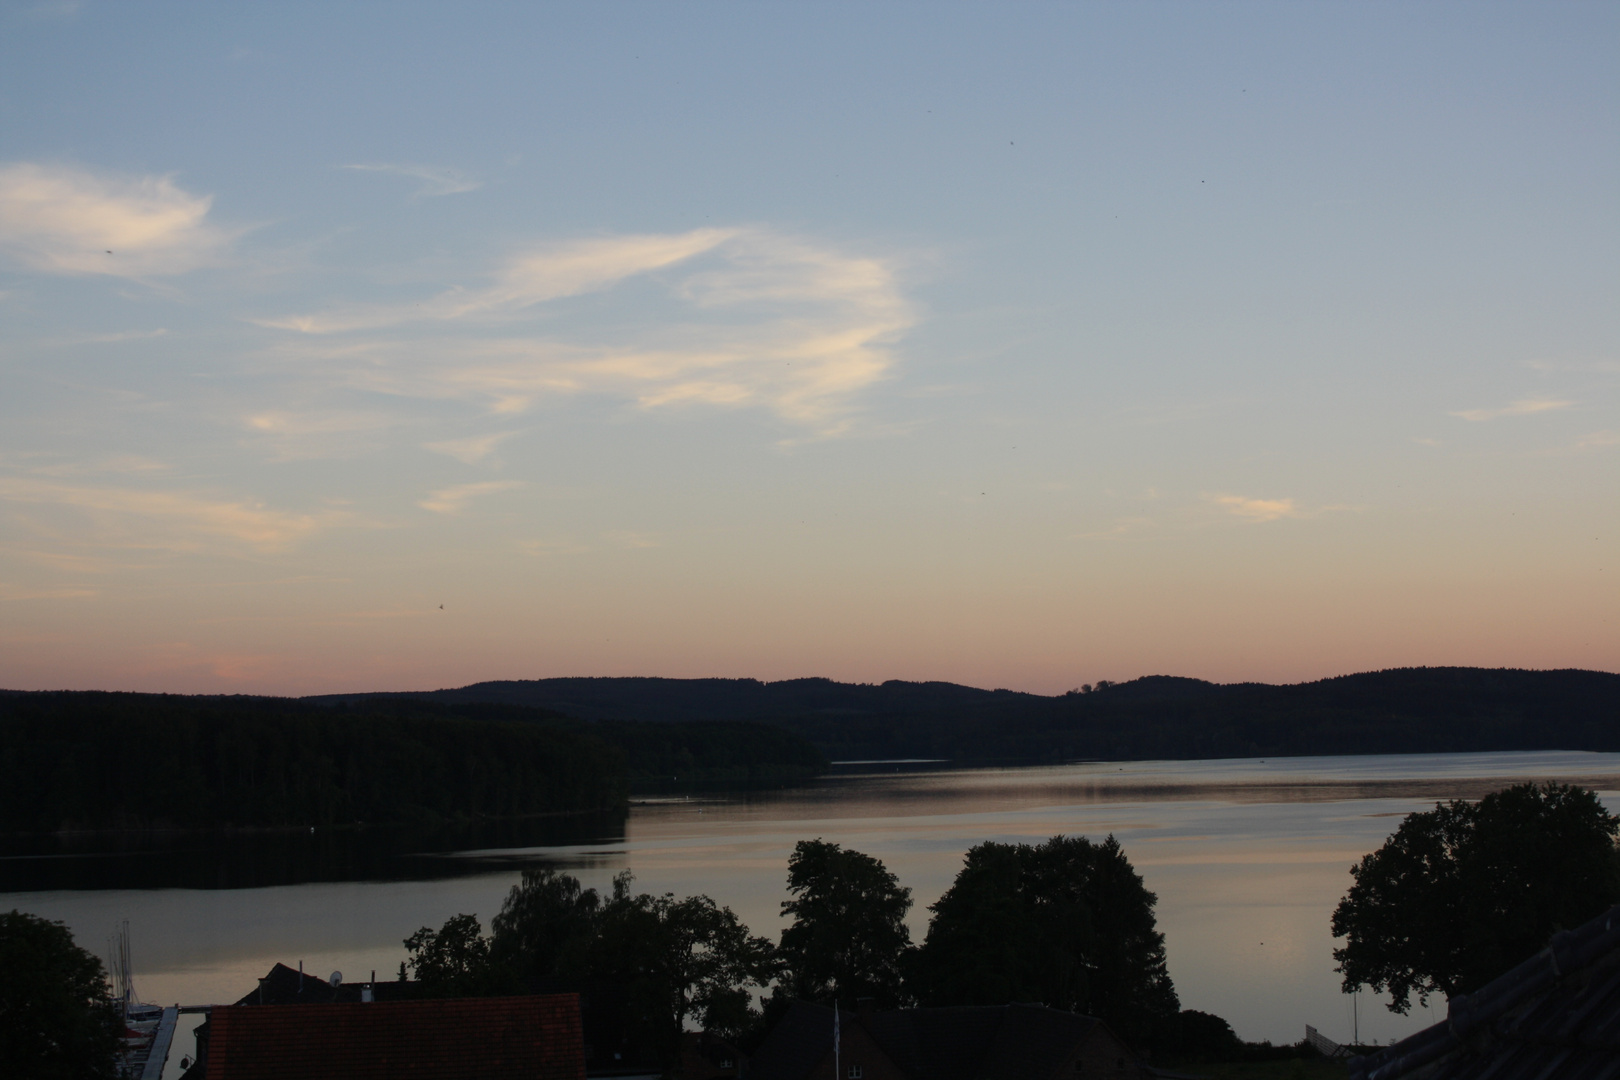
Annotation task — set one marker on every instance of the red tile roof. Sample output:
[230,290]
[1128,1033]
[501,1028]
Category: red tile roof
[535,1038]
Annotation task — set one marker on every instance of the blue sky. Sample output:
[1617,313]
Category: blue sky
[1019,345]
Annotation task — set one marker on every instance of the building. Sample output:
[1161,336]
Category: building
[1555,1015]
[705,1056]
[532,1038]
[284,986]
[1003,1042]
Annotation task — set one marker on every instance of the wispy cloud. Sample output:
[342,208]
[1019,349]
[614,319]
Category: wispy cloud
[452,500]
[1523,407]
[543,548]
[1257,509]
[630,540]
[69,221]
[116,464]
[172,519]
[1597,440]
[434,181]
[1119,528]
[111,339]
[763,321]
[305,435]
[549,273]
[471,450]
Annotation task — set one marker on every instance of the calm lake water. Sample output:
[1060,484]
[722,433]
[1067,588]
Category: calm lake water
[1248,859]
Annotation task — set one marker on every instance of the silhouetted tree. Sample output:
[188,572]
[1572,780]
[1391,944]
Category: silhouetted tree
[455,960]
[849,937]
[662,961]
[57,1017]
[1461,893]
[1068,923]
[674,959]
[546,919]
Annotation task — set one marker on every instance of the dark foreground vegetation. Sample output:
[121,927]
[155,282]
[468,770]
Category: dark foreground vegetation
[57,1016]
[1461,893]
[1067,923]
[1400,711]
[1456,896]
[123,761]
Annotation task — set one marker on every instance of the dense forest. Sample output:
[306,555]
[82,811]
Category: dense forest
[114,760]
[510,749]
[1407,710]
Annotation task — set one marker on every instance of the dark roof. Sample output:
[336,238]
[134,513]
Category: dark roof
[975,1042]
[1556,1014]
[286,986]
[536,1038]
[794,1045]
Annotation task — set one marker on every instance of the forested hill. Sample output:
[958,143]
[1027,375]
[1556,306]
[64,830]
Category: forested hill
[114,760]
[1406,710]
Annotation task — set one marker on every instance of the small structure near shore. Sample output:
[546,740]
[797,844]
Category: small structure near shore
[532,1038]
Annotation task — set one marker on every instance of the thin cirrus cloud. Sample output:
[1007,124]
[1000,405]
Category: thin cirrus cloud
[469,451]
[453,500]
[295,436]
[173,520]
[760,320]
[1523,407]
[433,181]
[64,220]
[550,273]
[1257,509]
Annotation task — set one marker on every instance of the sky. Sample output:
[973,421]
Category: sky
[384,347]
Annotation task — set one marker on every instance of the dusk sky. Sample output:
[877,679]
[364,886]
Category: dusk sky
[400,346]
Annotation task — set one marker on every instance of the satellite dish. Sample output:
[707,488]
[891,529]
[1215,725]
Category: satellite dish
[336,980]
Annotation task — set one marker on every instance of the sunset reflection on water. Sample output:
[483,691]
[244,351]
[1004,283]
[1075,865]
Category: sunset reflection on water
[1247,857]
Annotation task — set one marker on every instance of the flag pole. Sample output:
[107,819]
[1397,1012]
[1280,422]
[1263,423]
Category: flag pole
[837,1074]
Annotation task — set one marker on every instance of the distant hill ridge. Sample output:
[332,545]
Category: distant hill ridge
[1400,710]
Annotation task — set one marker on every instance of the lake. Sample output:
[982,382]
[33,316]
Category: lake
[1248,858]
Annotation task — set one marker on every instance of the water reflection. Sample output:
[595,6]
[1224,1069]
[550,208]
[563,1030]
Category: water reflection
[1248,859]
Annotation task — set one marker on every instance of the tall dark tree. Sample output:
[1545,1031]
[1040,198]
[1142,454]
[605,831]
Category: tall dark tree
[544,924]
[455,960]
[849,937]
[57,1017]
[676,959]
[1461,893]
[1068,923]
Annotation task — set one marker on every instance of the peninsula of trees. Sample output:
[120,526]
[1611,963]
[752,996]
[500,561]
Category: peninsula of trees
[108,761]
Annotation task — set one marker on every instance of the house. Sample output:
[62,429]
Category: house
[1002,1042]
[533,1038]
[284,986]
[611,1051]
[1555,1015]
[705,1056]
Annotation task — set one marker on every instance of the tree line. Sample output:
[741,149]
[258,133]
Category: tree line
[116,760]
[1067,922]
[1406,710]
[1454,898]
